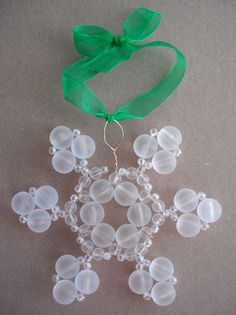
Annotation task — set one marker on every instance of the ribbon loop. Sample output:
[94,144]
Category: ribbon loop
[103,51]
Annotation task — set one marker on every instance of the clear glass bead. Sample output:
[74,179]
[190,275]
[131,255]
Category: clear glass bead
[55,278]
[122,171]
[74,228]
[76,132]
[74,197]
[139,266]
[114,178]
[205,226]
[140,282]
[145,146]
[83,163]
[130,254]
[22,203]
[121,257]
[63,162]
[145,232]
[147,296]
[148,243]
[127,236]
[158,206]
[103,235]
[158,219]
[54,216]
[141,249]
[70,219]
[87,281]
[61,137]
[98,253]
[92,213]
[32,190]
[143,179]
[83,147]
[105,169]
[115,249]
[85,181]
[23,219]
[141,162]
[95,173]
[169,138]
[148,188]
[173,280]
[78,189]
[201,195]
[101,191]
[107,256]
[38,220]
[164,162]
[80,297]
[67,267]
[84,196]
[85,171]
[52,150]
[144,196]
[70,206]
[131,173]
[78,168]
[64,292]
[155,228]
[155,197]
[148,165]
[84,230]
[153,132]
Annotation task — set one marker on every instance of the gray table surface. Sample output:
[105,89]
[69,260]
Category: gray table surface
[36,44]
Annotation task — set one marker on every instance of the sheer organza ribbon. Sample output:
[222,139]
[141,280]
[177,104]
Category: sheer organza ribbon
[103,51]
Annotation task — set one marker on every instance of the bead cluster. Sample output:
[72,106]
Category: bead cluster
[129,187]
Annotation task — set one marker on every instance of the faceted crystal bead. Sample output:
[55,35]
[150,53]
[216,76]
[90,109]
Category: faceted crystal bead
[84,196]
[63,162]
[84,230]
[78,188]
[52,150]
[164,162]
[145,232]
[186,200]
[141,249]
[67,266]
[98,253]
[114,178]
[70,206]
[145,146]
[70,219]
[144,196]
[83,147]
[127,236]
[80,297]
[46,197]
[22,203]
[87,247]
[169,138]
[188,225]
[87,281]
[23,219]
[209,210]
[131,173]
[101,191]
[95,173]
[130,254]
[158,219]
[140,282]
[103,235]
[163,293]
[85,181]
[64,292]
[39,220]
[139,214]
[161,269]
[143,179]
[158,206]
[61,137]
[125,193]
[92,213]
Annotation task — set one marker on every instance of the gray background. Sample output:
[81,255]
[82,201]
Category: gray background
[36,44]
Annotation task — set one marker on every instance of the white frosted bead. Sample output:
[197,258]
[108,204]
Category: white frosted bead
[163,293]
[46,197]
[38,220]
[161,269]
[87,281]
[67,266]
[127,236]
[103,235]
[83,147]
[61,137]
[186,200]
[169,138]
[145,146]
[64,292]
[92,213]
[22,203]
[209,210]
[63,161]
[101,191]
[188,225]
[140,282]
[164,162]
[125,193]
[139,214]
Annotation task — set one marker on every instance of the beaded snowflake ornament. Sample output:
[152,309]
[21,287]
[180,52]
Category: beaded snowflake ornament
[84,212]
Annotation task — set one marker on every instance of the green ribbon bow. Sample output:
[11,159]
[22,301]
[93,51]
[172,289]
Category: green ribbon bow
[104,51]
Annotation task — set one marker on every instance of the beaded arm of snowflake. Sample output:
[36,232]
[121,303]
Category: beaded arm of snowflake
[131,188]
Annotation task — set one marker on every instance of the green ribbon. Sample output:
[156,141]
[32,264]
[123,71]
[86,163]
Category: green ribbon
[103,51]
